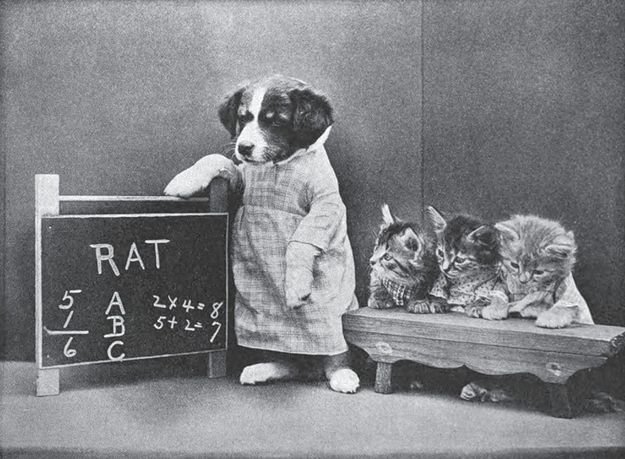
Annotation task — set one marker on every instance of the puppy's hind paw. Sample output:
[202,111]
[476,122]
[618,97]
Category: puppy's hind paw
[265,372]
[345,381]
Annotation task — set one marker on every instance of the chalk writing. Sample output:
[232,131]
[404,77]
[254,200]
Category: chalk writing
[66,305]
[117,324]
[218,325]
[67,351]
[106,252]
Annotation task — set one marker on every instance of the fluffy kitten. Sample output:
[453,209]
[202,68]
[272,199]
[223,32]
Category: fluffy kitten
[538,256]
[468,258]
[403,266]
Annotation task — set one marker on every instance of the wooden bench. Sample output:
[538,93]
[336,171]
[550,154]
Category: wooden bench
[489,347]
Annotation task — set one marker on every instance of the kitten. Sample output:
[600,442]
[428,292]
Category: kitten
[468,257]
[403,266]
[538,256]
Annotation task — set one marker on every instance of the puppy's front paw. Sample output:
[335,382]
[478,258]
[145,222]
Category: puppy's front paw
[345,381]
[197,178]
[187,183]
[298,286]
[556,318]
[264,372]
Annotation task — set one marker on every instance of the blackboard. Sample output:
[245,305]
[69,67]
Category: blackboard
[128,287]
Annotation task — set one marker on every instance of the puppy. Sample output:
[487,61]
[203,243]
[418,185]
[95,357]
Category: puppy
[291,258]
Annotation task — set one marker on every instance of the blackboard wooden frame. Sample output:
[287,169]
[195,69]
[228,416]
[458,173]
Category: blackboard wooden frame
[47,204]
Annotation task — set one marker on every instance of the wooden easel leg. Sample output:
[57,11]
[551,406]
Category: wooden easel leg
[559,401]
[383,378]
[217,364]
[48,382]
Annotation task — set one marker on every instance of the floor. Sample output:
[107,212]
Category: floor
[138,410]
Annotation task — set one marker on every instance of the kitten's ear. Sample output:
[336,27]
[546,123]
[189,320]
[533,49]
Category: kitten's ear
[562,246]
[410,239]
[387,216]
[485,235]
[436,219]
[506,232]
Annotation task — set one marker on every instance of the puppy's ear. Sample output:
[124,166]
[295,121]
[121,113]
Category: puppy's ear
[228,111]
[312,115]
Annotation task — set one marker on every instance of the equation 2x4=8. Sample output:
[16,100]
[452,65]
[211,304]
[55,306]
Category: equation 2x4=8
[187,305]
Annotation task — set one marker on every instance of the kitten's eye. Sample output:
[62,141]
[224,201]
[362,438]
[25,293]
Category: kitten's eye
[460,259]
[539,272]
[514,265]
[439,252]
[387,257]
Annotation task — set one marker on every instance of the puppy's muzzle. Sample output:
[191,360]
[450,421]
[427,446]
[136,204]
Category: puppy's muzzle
[245,149]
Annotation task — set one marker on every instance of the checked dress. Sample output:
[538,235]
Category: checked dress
[293,200]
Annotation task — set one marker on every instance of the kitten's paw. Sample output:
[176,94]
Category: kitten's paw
[376,304]
[532,311]
[473,310]
[495,312]
[416,385]
[556,318]
[422,307]
[264,372]
[473,392]
[602,402]
[345,381]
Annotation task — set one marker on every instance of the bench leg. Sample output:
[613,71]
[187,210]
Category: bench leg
[383,378]
[559,401]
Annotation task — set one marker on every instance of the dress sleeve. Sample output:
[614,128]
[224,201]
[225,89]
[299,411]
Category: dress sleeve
[326,212]
[568,296]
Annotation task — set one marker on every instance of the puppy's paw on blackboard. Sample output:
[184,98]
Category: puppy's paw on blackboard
[197,178]
[265,372]
[345,381]
[186,184]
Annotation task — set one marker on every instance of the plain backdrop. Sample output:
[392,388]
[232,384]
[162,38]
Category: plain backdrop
[489,107]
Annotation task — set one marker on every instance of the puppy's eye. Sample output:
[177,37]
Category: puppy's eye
[245,117]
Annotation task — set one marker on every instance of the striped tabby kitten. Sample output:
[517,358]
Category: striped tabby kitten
[403,266]
[538,258]
[468,258]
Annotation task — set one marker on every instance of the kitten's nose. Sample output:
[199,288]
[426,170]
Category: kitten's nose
[245,148]
[524,278]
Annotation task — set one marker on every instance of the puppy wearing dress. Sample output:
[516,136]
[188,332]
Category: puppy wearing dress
[291,257]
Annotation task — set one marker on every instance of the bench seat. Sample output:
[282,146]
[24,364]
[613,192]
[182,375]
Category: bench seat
[502,347]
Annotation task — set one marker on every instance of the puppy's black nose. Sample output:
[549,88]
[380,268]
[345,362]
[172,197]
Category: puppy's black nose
[245,148]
